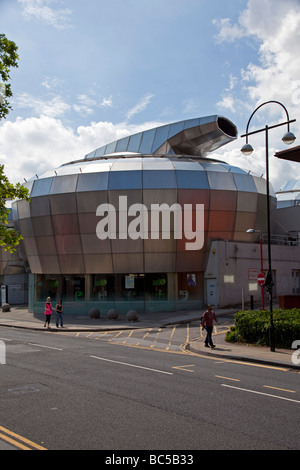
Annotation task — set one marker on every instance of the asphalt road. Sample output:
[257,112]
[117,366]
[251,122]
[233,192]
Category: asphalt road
[68,391]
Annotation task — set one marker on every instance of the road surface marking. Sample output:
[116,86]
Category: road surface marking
[260,393]
[227,378]
[282,389]
[129,336]
[185,368]
[132,365]
[42,346]
[20,438]
[171,338]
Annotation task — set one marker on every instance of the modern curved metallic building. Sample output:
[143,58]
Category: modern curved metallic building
[160,202]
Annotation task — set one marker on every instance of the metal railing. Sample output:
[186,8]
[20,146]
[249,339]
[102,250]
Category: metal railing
[285,240]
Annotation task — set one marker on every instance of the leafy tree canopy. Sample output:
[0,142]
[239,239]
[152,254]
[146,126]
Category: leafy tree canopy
[8,58]
[9,237]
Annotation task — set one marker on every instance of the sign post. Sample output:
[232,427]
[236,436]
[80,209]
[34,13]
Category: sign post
[261,281]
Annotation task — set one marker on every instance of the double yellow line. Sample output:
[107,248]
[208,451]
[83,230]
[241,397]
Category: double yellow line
[18,441]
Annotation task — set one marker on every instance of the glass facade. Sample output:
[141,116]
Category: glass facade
[150,292]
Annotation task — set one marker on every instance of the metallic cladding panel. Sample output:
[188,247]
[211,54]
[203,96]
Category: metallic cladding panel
[98,263]
[147,141]
[246,202]
[160,245]
[126,164]
[63,203]
[190,262]
[42,226]
[127,246]
[159,262]
[194,179]
[92,182]
[41,187]
[60,222]
[122,144]
[244,183]
[160,196]
[64,184]
[244,221]
[71,264]
[49,264]
[221,221]
[68,244]
[134,196]
[154,179]
[91,244]
[134,142]
[125,180]
[218,180]
[25,227]
[89,201]
[193,137]
[223,200]
[30,246]
[260,185]
[23,211]
[35,265]
[160,137]
[65,224]
[39,206]
[128,262]
[45,245]
[88,222]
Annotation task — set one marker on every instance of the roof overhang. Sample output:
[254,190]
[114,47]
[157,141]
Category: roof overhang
[292,154]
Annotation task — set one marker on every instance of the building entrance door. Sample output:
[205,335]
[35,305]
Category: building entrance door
[211,291]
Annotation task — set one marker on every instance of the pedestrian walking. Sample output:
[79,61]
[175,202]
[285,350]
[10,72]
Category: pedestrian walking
[208,322]
[59,314]
[48,312]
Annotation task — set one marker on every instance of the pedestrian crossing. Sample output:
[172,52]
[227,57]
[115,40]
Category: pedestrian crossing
[173,338]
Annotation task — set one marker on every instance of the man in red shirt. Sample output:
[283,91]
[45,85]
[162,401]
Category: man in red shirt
[208,322]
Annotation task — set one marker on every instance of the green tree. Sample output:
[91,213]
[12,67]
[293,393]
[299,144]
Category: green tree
[9,237]
[8,58]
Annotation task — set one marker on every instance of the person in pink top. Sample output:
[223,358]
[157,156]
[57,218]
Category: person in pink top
[48,312]
[208,322]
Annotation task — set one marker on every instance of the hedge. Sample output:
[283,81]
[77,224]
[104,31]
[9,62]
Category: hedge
[253,327]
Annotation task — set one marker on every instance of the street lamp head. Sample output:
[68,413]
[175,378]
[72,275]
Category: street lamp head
[250,230]
[289,138]
[247,149]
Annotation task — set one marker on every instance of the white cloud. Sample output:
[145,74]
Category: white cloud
[85,105]
[107,102]
[227,103]
[53,107]
[274,28]
[34,145]
[228,32]
[38,9]
[140,106]
[51,83]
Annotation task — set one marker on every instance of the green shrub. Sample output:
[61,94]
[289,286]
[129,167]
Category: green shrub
[253,327]
[232,335]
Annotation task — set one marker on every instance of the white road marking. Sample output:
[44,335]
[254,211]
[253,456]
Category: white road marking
[42,346]
[261,393]
[132,365]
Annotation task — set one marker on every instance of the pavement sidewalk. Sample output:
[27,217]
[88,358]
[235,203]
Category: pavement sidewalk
[20,317]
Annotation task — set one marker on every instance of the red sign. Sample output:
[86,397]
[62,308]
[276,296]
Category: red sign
[261,279]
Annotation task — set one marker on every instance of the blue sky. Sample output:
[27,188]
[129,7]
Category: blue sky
[95,70]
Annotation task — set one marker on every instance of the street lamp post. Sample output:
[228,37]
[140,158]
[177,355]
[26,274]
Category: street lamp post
[247,149]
